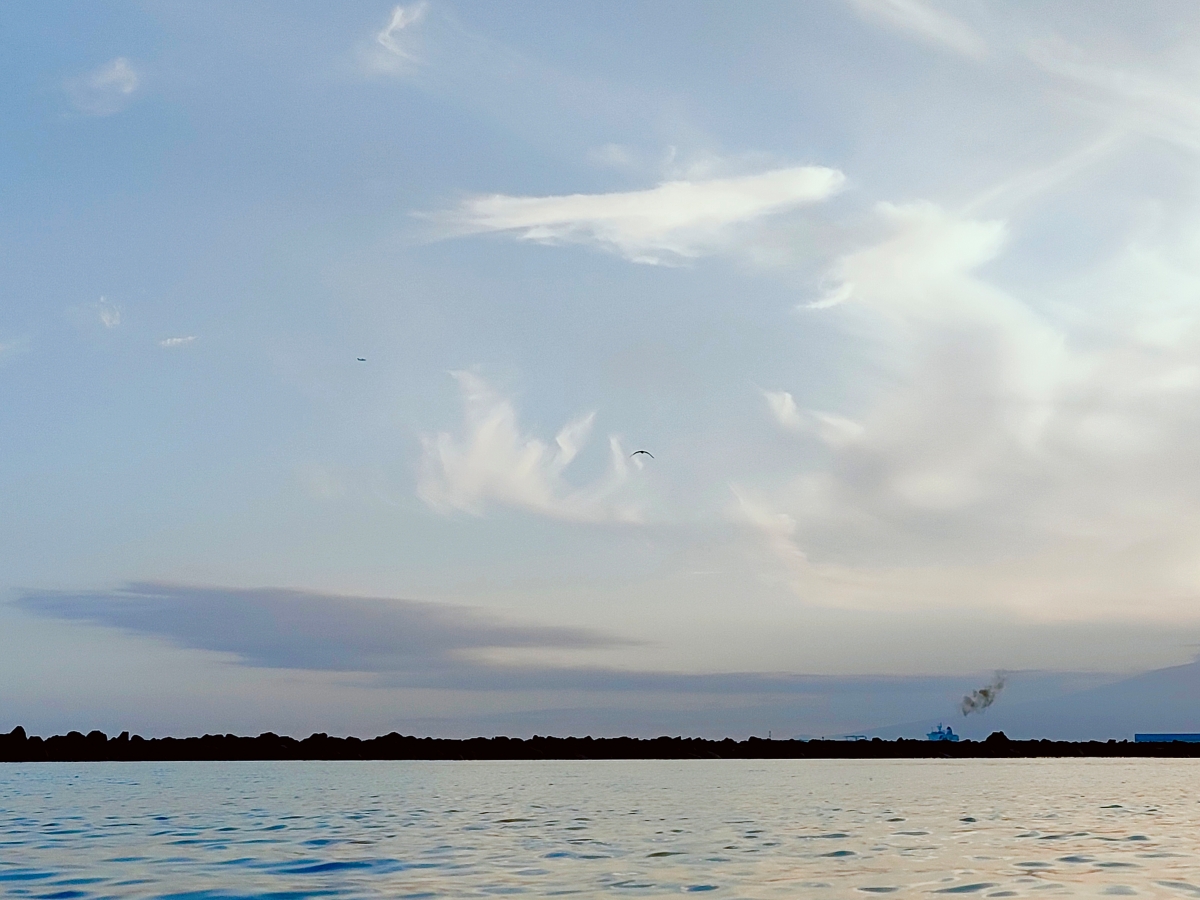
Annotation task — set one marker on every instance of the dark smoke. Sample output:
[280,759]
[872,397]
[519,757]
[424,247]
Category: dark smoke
[979,700]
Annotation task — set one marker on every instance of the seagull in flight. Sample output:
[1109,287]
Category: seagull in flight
[636,452]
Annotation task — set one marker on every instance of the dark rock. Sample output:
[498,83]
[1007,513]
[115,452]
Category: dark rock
[17,747]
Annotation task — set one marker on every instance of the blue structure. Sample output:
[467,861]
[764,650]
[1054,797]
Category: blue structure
[942,733]
[1166,738]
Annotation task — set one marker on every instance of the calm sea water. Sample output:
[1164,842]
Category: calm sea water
[746,829]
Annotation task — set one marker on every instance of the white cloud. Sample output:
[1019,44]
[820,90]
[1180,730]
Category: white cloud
[976,371]
[923,261]
[110,314]
[495,463]
[677,220]
[391,52]
[778,529]
[783,408]
[105,90]
[926,23]
[830,428]
[1018,454]
[1062,581]
[176,341]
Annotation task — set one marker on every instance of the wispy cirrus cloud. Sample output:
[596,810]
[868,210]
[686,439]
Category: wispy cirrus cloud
[673,222]
[181,341]
[391,50]
[105,90]
[495,463]
[927,23]
[1130,96]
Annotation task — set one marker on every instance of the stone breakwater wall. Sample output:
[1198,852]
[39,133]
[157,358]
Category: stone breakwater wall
[75,746]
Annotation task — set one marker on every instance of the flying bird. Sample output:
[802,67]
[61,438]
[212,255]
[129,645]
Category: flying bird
[636,452]
[361,358]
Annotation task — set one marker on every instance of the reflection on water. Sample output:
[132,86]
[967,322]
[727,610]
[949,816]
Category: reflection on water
[724,828]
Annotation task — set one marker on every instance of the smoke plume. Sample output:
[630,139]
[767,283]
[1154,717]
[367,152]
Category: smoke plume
[981,699]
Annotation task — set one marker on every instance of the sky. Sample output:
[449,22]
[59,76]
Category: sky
[328,332]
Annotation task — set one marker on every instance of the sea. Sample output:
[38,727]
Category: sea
[721,828]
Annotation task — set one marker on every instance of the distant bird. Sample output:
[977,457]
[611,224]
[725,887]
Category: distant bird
[362,359]
[636,452]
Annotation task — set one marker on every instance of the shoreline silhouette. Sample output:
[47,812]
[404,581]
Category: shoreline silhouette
[96,746]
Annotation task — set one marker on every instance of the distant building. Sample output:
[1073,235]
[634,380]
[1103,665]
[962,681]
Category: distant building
[1167,738]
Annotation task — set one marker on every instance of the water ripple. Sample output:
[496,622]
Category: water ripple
[756,830]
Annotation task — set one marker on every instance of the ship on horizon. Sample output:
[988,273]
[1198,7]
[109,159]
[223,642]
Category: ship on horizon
[942,733]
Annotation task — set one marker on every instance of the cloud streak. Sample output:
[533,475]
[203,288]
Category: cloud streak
[177,341]
[924,22]
[673,222]
[494,463]
[1132,98]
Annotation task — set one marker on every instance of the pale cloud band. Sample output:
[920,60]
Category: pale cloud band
[675,221]
[282,628]
[926,23]
[377,644]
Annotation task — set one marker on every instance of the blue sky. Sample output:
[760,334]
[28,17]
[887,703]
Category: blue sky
[903,297]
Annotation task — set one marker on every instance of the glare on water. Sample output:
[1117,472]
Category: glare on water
[779,828]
